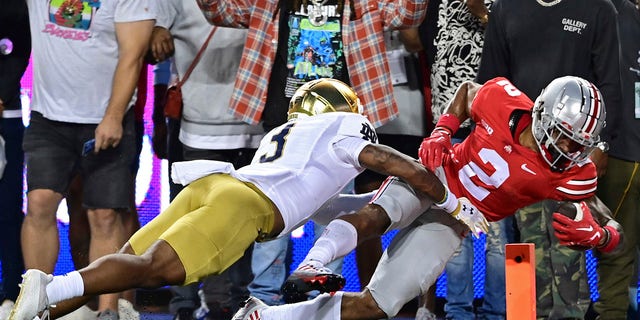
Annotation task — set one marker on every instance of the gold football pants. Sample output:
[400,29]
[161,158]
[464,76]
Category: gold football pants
[209,224]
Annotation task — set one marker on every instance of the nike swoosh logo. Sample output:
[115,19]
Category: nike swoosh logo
[585,229]
[525,168]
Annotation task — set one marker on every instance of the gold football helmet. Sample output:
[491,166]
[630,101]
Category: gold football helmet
[322,96]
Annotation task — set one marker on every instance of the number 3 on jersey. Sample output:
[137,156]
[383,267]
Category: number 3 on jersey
[279,140]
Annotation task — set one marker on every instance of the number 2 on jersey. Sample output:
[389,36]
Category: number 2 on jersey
[488,156]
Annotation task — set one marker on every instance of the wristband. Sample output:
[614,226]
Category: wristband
[613,238]
[449,203]
[449,122]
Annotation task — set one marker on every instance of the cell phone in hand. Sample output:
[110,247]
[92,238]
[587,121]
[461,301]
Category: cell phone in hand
[88,147]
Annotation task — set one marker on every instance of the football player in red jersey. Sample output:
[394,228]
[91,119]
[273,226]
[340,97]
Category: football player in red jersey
[520,152]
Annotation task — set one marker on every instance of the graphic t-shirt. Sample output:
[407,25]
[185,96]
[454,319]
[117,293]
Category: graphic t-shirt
[309,47]
[75,53]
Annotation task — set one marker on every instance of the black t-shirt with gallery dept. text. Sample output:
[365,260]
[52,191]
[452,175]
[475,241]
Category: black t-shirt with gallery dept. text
[308,49]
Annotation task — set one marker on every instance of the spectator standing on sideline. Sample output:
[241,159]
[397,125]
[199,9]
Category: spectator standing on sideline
[341,40]
[79,229]
[206,130]
[15,48]
[82,117]
[263,87]
[530,43]
[620,186]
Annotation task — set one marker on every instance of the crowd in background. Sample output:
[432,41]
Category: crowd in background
[90,60]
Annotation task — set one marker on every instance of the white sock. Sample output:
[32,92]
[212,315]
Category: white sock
[323,307]
[65,287]
[338,239]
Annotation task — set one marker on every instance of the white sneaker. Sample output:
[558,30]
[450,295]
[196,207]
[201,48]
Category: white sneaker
[5,309]
[251,310]
[126,310]
[82,313]
[33,296]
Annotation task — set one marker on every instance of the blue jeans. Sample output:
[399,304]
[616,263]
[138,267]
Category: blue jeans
[269,268]
[11,215]
[459,272]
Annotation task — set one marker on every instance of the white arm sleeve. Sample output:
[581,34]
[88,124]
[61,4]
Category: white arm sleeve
[342,204]
[348,150]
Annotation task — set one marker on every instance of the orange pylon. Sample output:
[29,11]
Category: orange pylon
[520,282]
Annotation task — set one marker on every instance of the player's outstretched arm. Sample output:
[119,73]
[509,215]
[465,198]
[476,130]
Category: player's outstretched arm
[595,229]
[386,160]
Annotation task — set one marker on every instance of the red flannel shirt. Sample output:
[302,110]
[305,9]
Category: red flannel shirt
[362,39]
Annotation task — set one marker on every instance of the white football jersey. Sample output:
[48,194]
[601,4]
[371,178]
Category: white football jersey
[305,162]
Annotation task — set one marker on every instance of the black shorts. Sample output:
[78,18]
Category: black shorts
[53,153]
[404,143]
[139,140]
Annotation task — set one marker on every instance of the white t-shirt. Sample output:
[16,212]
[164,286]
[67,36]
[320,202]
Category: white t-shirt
[206,122]
[75,54]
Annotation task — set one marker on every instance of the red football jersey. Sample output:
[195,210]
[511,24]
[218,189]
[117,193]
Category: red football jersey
[499,175]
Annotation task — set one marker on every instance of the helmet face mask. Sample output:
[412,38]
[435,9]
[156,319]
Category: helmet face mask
[568,117]
[561,159]
[323,96]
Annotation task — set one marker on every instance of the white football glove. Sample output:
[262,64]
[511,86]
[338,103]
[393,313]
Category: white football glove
[471,216]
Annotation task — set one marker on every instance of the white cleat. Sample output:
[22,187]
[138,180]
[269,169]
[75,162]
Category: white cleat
[33,296]
[251,310]
[5,309]
[126,311]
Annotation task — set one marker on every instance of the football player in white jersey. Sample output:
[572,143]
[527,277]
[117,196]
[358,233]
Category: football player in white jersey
[298,167]
[520,152]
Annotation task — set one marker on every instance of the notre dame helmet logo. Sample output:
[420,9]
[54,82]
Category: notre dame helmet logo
[322,96]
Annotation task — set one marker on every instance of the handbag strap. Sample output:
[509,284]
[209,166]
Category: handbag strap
[196,58]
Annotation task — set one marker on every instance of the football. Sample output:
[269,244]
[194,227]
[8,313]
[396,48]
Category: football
[572,210]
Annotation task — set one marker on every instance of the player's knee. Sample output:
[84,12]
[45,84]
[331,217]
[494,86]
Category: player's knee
[163,266]
[361,305]
[371,221]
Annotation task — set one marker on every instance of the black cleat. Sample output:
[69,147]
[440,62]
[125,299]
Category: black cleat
[309,278]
